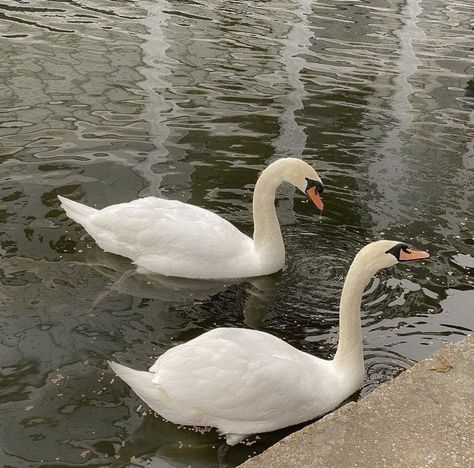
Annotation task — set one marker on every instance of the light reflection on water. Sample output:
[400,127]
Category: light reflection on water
[106,101]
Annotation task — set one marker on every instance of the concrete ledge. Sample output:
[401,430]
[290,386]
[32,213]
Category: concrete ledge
[424,417]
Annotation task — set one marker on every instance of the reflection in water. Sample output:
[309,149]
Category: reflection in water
[155,72]
[388,172]
[126,280]
[104,101]
[407,65]
[292,138]
[260,291]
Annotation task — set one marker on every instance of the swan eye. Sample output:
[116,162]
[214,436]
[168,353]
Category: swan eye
[314,183]
[396,249]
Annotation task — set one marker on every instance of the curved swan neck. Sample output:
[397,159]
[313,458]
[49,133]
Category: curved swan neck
[267,233]
[349,350]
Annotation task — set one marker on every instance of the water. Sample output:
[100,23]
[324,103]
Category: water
[105,101]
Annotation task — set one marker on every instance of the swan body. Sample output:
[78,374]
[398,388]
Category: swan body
[239,380]
[245,381]
[178,239]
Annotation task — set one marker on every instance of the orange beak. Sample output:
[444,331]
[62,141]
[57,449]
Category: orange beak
[315,197]
[412,255]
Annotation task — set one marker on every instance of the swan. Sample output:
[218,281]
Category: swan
[244,381]
[182,240]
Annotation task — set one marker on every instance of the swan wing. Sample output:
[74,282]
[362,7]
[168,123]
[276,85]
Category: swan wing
[247,378]
[164,235]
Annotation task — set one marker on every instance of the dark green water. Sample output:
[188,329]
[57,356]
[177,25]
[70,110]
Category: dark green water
[105,101]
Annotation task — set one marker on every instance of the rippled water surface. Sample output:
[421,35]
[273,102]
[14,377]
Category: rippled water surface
[104,101]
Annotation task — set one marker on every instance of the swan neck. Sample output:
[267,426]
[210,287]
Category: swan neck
[350,349]
[267,233]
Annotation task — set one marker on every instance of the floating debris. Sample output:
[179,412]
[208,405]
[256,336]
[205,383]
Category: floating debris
[57,379]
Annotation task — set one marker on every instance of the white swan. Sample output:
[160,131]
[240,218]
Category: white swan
[177,239]
[245,381]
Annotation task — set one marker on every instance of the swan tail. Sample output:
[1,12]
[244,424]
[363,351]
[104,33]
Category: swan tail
[140,382]
[76,211]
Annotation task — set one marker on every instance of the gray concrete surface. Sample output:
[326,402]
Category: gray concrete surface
[422,418]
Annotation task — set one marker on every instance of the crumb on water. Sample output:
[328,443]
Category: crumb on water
[57,379]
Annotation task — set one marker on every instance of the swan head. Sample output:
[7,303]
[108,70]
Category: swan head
[384,253]
[303,176]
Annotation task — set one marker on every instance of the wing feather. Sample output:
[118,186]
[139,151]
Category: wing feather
[266,376]
[155,230]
